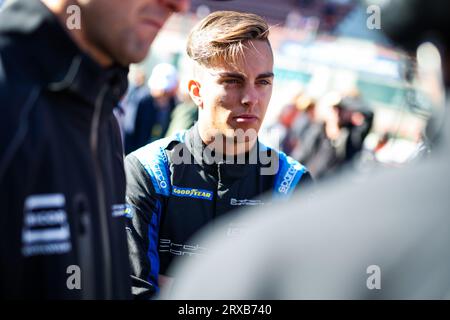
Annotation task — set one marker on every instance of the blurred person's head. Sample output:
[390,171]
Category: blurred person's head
[307,105]
[118,30]
[332,123]
[137,76]
[232,83]
[163,81]
[289,112]
[344,115]
[352,112]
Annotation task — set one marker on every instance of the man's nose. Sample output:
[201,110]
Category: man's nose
[250,97]
[176,5]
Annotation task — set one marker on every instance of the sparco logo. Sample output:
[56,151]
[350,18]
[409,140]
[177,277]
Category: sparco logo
[156,168]
[287,180]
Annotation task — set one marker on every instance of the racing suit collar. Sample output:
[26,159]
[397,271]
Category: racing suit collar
[219,167]
[55,61]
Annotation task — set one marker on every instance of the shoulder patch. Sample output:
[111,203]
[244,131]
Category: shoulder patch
[289,174]
[154,159]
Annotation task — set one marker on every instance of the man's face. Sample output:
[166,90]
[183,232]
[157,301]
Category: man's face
[125,29]
[236,97]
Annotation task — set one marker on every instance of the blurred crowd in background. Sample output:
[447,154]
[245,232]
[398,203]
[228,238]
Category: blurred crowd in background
[342,95]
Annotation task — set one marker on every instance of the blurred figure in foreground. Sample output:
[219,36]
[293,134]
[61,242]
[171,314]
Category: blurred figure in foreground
[63,68]
[384,239]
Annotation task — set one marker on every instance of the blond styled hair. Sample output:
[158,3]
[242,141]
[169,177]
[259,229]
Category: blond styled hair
[223,35]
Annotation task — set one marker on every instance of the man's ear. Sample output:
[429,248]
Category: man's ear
[194,92]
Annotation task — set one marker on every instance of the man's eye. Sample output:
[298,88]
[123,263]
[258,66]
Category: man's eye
[264,82]
[231,81]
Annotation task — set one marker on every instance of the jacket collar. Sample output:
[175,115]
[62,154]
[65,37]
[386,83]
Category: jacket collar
[53,59]
[219,166]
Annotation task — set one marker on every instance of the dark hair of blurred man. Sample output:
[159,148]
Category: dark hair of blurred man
[63,68]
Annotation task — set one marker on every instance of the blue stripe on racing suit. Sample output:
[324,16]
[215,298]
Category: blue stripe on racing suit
[152,252]
[154,160]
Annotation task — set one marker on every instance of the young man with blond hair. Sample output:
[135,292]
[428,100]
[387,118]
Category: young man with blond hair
[177,185]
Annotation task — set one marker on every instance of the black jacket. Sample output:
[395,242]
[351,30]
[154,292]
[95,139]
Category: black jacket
[62,183]
[174,188]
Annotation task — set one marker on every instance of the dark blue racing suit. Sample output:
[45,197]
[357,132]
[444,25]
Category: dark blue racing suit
[170,200]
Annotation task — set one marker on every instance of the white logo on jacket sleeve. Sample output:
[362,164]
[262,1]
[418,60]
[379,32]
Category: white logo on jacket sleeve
[122,210]
[245,202]
[159,175]
[45,229]
[287,179]
[180,249]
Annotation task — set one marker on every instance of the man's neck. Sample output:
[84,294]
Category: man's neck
[59,9]
[222,144]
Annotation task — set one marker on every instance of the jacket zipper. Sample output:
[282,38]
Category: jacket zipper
[104,228]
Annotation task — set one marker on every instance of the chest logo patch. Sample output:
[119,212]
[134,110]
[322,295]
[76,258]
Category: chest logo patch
[192,193]
[46,228]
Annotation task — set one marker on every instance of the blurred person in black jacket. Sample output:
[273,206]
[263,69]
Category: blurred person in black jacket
[62,181]
[357,119]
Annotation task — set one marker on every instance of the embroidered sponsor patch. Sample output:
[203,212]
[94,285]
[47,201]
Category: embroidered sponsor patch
[154,159]
[287,179]
[192,193]
[245,202]
[122,210]
[45,229]
[179,249]
[156,171]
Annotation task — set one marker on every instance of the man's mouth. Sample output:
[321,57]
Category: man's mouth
[246,118]
[153,23]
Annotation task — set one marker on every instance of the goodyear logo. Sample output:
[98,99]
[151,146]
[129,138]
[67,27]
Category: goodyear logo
[192,193]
